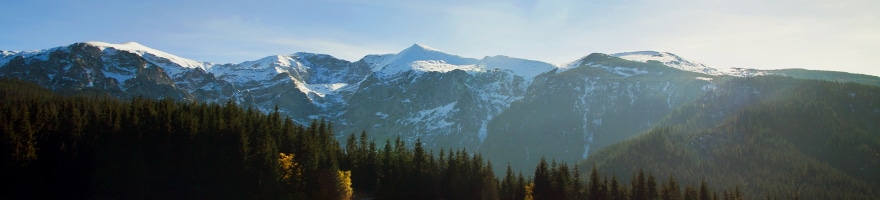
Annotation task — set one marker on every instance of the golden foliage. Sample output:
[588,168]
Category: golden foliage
[344,187]
[529,189]
[335,184]
[290,170]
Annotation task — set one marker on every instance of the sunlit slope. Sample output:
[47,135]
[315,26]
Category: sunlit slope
[814,138]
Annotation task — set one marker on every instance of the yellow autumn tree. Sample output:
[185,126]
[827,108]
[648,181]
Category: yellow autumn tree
[290,171]
[335,184]
[344,187]
[529,189]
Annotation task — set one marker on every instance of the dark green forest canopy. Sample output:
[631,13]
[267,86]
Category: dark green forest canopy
[57,147]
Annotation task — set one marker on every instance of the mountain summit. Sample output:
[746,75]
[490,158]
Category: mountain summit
[424,59]
[668,59]
[421,47]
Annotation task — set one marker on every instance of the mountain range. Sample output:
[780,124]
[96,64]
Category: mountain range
[511,110]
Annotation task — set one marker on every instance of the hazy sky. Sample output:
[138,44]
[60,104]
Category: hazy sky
[839,35]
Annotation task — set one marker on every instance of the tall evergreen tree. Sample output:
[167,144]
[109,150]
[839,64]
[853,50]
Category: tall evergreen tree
[543,188]
[670,190]
[639,191]
[594,185]
[577,187]
[651,192]
[508,184]
[704,191]
[690,193]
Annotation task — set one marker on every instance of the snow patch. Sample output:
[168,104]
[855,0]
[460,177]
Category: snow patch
[120,78]
[324,89]
[382,115]
[570,65]
[484,131]
[442,66]
[742,72]
[588,141]
[702,78]
[622,71]
[43,55]
[434,118]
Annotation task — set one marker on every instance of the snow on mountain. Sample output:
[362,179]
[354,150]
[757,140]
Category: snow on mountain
[43,54]
[171,63]
[420,52]
[325,89]
[257,71]
[419,92]
[435,117]
[5,56]
[743,72]
[675,61]
[566,66]
[668,59]
[623,71]
[527,69]
[422,58]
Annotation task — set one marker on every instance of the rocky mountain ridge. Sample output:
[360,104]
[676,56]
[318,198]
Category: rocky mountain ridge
[501,106]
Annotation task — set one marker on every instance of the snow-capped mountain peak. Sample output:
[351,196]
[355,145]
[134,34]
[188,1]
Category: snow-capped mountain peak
[527,69]
[269,61]
[156,56]
[420,52]
[422,58]
[668,59]
[262,70]
[421,47]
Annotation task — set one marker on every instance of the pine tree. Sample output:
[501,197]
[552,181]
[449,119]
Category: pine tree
[490,183]
[508,184]
[594,185]
[616,192]
[542,187]
[577,186]
[690,193]
[704,191]
[561,177]
[639,191]
[420,173]
[670,190]
[521,184]
[651,188]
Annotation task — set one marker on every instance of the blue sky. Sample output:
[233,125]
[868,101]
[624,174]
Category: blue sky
[840,35]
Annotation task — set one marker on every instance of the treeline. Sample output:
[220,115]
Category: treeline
[558,181]
[56,147]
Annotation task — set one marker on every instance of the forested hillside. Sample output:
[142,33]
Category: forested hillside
[816,139]
[87,147]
